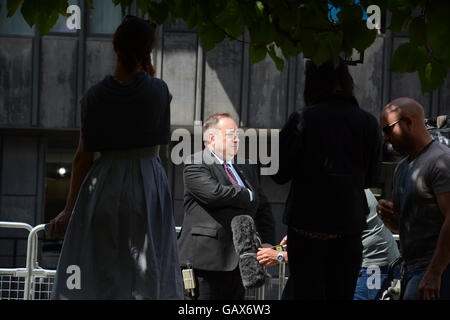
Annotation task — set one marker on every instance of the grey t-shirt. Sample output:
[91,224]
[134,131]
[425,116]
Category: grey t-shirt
[379,246]
[416,184]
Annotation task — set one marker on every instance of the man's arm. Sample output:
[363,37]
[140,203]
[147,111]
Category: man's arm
[429,288]
[209,192]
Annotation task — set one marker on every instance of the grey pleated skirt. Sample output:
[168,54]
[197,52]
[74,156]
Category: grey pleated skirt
[121,236]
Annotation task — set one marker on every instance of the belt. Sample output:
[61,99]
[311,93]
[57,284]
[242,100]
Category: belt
[316,235]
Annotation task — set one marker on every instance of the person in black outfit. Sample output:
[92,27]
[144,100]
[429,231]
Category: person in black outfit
[118,225]
[216,190]
[330,152]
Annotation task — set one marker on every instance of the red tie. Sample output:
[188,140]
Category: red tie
[229,173]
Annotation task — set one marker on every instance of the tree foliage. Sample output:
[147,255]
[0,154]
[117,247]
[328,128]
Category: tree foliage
[286,28]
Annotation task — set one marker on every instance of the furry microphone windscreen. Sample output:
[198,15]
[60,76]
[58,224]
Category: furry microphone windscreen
[246,244]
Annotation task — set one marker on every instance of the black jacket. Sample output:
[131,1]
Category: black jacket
[210,202]
[331,152]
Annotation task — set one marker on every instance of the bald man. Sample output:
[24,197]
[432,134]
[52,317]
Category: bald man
[420,207]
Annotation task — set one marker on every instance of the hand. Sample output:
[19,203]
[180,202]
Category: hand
[266,245]
[267,256]
[58,225]
[386,210]
[430,286]
[284,241]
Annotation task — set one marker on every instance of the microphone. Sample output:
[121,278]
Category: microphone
[246,243]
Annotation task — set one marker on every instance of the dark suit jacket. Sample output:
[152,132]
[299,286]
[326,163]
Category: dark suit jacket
[210,202]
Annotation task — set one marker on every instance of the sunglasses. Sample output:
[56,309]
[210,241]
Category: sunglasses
[387,129]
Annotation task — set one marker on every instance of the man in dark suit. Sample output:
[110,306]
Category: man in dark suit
[216,189]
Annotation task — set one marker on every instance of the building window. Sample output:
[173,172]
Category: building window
[15,25]
[61,24]
[104,18]
[60,152]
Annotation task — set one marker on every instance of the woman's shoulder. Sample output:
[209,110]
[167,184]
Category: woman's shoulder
[98,86]
[157,83]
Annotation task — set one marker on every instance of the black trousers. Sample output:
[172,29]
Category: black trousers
[217,285]
[322,269]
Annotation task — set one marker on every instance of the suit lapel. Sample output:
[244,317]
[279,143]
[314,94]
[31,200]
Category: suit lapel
[218,169]
[222,176]
[241,170]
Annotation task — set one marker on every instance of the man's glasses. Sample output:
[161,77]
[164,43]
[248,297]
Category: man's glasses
[387,129]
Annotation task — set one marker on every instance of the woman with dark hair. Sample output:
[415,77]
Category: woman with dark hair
[329,151]
[121,241]
[325,81]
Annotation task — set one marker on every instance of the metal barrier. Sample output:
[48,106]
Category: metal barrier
[259,293]
[280,282]
[35,283]
[31,282]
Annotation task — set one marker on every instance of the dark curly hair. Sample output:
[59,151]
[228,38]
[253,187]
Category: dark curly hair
[133,42]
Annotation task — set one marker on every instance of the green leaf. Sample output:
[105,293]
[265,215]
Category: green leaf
[257,53]
[350,13]
[400,20]
[438,31]
[262,32]
[330,44]
[309,43]
[322,54]
[143,5]
[314,17]
[259,7]
[408,58]
[417,31]
[285,17]
[432,75]
[12,6]
[158,12]
[184,8]
[357,35]
[231,20]
[279,62]
[210,36]
[192,20]
[355,32]
[43,14]
[334,40]
[288,48]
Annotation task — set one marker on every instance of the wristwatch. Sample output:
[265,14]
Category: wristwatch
[280,257]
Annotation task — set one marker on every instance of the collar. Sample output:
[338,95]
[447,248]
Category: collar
[421,152]
[220,159]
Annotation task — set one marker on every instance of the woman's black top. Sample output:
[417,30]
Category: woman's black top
[330,152]
[116,116]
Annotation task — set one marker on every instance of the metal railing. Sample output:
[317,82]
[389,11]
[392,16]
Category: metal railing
[31,282]
[280,282]
[35,283]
